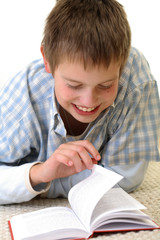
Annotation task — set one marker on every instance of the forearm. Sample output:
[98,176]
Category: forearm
[133,176]
[15,184]
[60,187]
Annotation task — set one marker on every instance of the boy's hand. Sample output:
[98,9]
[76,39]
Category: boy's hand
[68,159]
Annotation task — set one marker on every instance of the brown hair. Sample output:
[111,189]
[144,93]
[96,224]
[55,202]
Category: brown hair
[93,32]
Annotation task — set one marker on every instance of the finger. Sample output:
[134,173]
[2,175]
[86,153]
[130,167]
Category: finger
[90,148]
[70,157]
[82,153]
[59,157]
[78,153]
[94,161]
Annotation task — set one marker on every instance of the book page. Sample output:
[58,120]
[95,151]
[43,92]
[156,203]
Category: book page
[47,220]
[127,224]
[84,196]
[116,200]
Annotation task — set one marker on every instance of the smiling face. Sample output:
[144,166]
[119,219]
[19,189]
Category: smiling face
[85,93]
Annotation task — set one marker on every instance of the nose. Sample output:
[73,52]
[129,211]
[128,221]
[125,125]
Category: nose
[89,98]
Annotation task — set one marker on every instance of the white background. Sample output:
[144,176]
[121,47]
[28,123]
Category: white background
[22,23]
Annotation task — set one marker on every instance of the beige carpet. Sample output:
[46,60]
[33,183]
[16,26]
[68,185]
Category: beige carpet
[148,194]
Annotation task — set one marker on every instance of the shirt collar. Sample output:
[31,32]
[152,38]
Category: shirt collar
[56,122]
[113,105]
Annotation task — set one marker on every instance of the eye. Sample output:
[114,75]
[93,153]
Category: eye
[74,86]
[105,86]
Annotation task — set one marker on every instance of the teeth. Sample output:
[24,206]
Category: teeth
[86,109]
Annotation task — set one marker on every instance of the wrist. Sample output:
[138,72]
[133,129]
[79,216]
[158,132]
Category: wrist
[35,175]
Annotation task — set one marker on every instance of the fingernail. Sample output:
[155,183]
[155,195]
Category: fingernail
[70,163]
[98,157]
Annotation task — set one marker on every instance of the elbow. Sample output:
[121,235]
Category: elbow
[129,186]
[133,175]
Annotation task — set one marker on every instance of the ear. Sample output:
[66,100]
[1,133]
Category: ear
[46,63]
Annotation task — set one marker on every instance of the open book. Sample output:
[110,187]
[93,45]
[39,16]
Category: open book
[95,207]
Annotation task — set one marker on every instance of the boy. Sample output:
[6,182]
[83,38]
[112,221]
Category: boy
[93,100]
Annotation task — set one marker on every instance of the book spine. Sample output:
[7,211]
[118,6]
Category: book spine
[10,229]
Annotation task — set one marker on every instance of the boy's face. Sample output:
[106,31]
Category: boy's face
[86,93]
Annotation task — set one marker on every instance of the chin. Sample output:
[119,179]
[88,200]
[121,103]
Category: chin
[86,119]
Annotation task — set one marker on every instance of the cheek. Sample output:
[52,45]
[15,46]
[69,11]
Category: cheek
[110,95]
[113,92]
[63,93]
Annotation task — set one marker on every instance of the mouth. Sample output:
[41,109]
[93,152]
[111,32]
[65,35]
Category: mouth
[85,110]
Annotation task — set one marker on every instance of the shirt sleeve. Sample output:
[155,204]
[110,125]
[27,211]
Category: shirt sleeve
[135,122]
[15,184]
[136,127]
[18,151]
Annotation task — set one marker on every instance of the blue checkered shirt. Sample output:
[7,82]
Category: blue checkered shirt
[31,129]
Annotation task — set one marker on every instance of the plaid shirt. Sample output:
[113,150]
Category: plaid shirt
[31,128]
